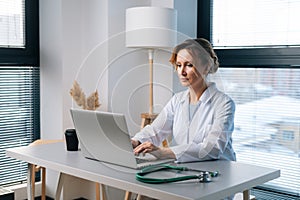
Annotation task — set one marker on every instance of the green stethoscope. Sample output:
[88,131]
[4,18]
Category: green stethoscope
[203,176]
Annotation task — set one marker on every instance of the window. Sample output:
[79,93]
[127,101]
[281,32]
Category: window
[288,135]
[260,23]
[19,38]
[12,23]
[19,83]
[259,68]
[267,110]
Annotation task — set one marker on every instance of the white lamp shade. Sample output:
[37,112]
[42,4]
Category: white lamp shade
[151,27]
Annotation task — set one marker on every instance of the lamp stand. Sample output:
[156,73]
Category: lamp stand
[147,118]
[151,55]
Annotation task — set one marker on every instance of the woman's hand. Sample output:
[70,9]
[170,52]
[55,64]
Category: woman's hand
[146,147]
[158,152]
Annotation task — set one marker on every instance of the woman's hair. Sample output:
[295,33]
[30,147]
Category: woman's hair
[201,52]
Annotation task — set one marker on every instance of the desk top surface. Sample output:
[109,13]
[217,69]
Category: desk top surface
[234,176]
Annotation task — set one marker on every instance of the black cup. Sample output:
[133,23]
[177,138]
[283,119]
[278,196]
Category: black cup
[71,140]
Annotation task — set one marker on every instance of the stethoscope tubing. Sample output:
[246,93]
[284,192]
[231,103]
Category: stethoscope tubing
[166,180]
[204,175]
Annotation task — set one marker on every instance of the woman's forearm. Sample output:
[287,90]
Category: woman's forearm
[163,153]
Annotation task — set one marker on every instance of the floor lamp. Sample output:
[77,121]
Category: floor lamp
[150,28]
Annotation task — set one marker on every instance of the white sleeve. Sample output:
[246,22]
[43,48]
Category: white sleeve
[160,128]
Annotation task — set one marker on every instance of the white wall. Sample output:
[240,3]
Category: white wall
[84,41]
[70,30]
[51,68]
[186,26]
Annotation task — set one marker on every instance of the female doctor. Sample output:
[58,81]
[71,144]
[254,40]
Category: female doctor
[199,120]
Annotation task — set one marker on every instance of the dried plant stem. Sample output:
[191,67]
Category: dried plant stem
[91,103]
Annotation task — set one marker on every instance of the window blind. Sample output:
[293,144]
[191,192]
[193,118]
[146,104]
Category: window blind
[19,118]
[267,120]
[12,23]
[253,23]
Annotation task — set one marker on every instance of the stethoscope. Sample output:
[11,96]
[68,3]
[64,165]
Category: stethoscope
[203,176]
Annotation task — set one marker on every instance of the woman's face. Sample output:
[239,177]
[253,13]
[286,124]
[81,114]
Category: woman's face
[187,72]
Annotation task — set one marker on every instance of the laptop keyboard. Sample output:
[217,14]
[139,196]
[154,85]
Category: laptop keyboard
[145,158]
[142,160]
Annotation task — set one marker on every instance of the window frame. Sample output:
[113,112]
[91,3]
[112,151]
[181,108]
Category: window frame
[262,56]
[28,56]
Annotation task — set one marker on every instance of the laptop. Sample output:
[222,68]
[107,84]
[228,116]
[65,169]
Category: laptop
[104,136]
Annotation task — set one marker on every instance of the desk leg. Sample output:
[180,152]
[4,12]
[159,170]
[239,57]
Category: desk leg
[29,181]
[60,184]
[246,195]
[127,195]
[43,169]
[100,192]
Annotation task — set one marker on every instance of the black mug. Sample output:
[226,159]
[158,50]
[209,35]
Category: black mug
[71,140]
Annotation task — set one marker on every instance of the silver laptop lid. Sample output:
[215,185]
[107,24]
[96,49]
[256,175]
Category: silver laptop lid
[104,136]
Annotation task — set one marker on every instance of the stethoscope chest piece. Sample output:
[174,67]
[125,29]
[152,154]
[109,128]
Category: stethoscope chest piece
[204,177]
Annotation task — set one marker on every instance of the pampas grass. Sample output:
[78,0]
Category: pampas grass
[90,103]
[93,101]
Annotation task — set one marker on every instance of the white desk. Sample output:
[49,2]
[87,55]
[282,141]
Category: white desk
[234,176]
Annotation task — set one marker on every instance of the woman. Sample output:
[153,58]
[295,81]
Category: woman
[200,120]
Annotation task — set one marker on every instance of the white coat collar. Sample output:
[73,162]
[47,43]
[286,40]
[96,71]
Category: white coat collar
[205,97]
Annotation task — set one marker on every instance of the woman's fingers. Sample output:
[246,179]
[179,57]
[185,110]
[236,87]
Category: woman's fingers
[139,149]
[135,143]
[145,147]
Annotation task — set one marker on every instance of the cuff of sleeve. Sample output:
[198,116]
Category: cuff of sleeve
[177,153]
[140,139]
[181,154]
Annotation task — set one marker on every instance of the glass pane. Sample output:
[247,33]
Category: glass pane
[267,119]
[252,23]
[12,22]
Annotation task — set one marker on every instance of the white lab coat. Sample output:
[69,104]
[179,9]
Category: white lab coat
[207,136]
